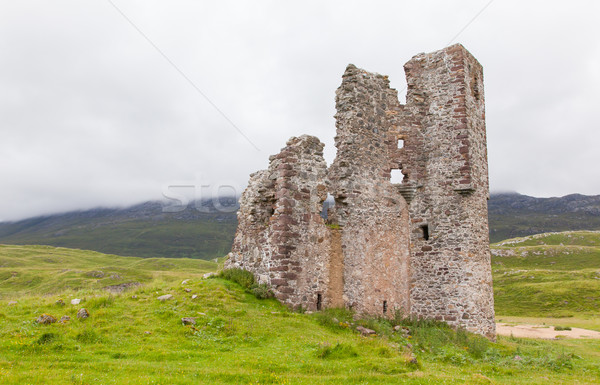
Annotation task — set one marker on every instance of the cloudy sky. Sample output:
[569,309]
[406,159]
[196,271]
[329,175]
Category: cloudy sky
[110,102]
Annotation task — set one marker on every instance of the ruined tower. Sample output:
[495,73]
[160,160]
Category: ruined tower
[419,246]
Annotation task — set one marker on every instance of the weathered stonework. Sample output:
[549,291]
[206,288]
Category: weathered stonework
[420,246]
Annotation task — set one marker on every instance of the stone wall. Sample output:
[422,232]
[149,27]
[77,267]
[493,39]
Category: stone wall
[421,246]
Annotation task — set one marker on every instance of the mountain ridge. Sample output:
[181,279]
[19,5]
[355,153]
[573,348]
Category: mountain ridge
[199,230]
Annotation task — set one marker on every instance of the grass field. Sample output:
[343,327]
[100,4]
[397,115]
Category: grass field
[132,337]
[554,275]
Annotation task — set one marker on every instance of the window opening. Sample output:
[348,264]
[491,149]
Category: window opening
[319,301]
[425,229]
[396,176]
[384,307]
[400,143]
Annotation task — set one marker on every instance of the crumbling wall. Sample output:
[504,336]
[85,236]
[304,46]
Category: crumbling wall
[281,236]
[371,214]
[447,169]
[419,246]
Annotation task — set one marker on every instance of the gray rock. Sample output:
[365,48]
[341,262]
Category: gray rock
[83,313]
[12,303]
[188,320]
[364,331]
[165,297]
[208,275]
[60,302]
[75,301]
[64,319]
[45,319]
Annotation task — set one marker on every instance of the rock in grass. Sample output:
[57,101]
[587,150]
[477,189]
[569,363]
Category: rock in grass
[194,296]
[188,320]
[165,297]
[64,319]
[60,302]
[75,301]
[185,281]
[83,313]
[208,275]
[12,303]
[364,331]
[187,290]
[45,319]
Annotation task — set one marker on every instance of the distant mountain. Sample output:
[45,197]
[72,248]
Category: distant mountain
[515,215]
[146,230]
[143,230]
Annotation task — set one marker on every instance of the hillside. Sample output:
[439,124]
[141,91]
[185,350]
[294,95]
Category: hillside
[515,215]
[133,337]
[548,275]
[143,230]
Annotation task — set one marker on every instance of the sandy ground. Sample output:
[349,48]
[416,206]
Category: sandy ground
[542,331]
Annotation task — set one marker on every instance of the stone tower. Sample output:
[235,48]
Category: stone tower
[419,246]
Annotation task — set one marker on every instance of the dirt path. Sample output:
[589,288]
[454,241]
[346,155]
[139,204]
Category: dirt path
[542,331]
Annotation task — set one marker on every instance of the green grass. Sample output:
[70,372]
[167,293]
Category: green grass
[134,338]
[553,275]
[48,270]
[203,238]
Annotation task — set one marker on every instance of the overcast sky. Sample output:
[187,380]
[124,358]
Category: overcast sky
[101,108]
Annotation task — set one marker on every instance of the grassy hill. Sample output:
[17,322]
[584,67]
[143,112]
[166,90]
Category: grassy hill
[144,230]
[133,337]
[548,275]
[514,215]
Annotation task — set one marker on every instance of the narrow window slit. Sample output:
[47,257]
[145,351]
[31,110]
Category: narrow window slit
[384,307]
[425,230]
[319,301]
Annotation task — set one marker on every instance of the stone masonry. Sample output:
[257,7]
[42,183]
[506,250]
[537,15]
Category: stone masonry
[420,246]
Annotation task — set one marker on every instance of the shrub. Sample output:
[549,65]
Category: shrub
[88,336]
[245,279]
[339,350]
[46,338]
[242,277]
[559,328]
[261,291]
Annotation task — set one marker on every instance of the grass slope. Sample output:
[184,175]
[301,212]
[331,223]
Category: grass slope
[548,275]
[141,231]
[134,338]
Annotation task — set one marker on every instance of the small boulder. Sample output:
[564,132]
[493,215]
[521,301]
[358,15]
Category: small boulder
[188,320]
[134,296]
[64,319]
[208,275]
[45,319]
[165,297]
[364,331]
[194,296]
[75,301]
[147,332]
[60,302]
[83,313]
[185,281]
[12,303]
[187,290]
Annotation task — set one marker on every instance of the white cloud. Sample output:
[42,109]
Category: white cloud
[93,115]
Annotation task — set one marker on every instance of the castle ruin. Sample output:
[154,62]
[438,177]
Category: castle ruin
[420,246]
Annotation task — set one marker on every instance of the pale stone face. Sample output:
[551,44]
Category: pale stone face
[419,247]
